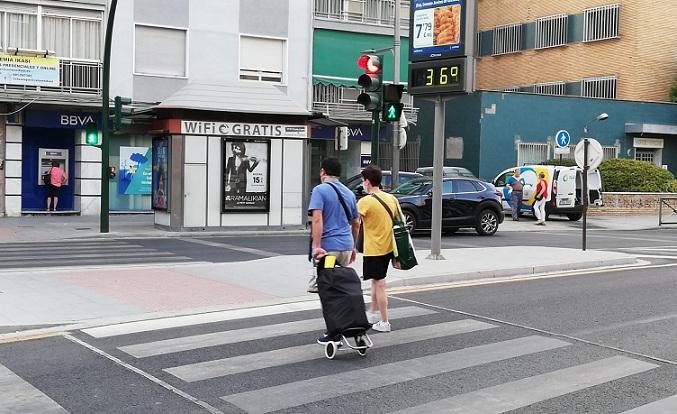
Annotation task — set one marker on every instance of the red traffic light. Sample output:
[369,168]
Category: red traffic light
[369,63]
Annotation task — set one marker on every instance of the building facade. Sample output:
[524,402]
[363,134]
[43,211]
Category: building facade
[50,89]
[343,30]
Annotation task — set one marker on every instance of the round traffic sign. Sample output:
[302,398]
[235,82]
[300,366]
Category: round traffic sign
[595,153]
[562,138]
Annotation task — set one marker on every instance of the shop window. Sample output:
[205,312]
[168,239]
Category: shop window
[604,87]
[262,59]
[22,30]
[160,51]
[601,23]
[507,39]
[551,31]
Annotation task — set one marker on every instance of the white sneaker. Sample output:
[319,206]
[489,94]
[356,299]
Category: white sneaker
[373,317]
[381,326]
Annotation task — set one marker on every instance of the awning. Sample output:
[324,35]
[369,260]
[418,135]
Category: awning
[335,56]
[657,129]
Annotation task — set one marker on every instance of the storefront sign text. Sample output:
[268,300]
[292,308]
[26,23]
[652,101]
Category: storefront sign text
[30,71]
[243,129]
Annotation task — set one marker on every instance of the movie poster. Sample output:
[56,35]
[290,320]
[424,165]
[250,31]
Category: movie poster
[246,172]
[160,174]
[134,175]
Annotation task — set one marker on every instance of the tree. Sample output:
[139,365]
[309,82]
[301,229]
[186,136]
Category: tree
[673,92]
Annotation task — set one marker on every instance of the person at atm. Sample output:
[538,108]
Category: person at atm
[57,178]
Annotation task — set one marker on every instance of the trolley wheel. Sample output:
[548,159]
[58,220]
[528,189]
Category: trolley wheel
[330,350]
[360,342]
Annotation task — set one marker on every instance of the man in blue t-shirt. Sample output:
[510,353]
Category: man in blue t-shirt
[516,184]
[335,222]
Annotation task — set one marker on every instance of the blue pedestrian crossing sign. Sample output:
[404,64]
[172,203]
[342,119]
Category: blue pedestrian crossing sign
[563,139]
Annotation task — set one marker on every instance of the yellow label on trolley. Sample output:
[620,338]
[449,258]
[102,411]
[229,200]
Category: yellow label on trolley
[329,262]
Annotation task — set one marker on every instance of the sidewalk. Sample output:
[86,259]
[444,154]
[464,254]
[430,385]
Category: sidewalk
[113,294]
[43,228]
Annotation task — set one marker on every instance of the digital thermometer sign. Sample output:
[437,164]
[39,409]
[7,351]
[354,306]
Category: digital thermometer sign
[438,76]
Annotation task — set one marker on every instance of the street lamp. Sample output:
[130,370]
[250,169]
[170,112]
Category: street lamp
[601,117]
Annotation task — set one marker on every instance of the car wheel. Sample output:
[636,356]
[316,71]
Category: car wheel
[487,222]
[410,220]
[575,216]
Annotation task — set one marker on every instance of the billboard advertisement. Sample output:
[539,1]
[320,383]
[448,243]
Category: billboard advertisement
[437,29]
[29,71]
[246,173]
[160,174]
[134,175]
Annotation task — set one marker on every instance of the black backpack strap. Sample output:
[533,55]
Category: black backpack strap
[390,212]
[343,203]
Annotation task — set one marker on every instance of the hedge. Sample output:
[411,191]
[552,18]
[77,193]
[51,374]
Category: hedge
[622,175]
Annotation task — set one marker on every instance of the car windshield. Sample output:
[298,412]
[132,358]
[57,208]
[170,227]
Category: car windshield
[412,187]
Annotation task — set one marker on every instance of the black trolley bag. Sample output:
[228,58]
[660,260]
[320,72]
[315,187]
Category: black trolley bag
[343,309]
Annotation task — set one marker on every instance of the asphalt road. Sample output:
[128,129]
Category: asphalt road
[241,248]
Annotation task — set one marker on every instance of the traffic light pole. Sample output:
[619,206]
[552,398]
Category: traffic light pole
[105,115]
[395,167]
[375,129]
[438,162]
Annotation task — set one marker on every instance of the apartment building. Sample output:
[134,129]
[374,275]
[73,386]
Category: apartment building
[623,49]
[50,89]
[343,29]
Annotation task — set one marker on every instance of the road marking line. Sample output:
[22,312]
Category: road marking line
[527,391]
[285,356]
[242,249]
[146,375]
[664,406]
[317,389]
[19,396]
[626,324]
[190,343]
[81,263]
[103,255]
[30,337]
[69,247]
[199,319]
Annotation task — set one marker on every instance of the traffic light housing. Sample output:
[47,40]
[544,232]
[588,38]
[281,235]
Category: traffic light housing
[371,80]
[392,107]
[92,134]
[121,114]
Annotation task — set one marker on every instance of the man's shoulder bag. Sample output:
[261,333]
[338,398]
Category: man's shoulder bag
[47,177]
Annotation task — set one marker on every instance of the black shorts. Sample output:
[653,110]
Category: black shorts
[52,191]
[376,267]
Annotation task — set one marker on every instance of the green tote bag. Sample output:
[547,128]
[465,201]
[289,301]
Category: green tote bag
[403,247]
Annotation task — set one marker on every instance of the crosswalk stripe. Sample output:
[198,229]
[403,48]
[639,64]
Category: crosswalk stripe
[664,406]
[189,343]
[202,318]
[316,389]
[103,254]
[517,394]
[18,396]
[278,357]
[60,247]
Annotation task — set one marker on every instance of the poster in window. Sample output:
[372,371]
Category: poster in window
[246,172]
[160,173]
[135,176]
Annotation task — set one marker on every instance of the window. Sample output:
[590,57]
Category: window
[550,88]
[86,37]
[604,87]
[447,187]
[463,186]
[601,23]
[478,186]
[641,155]
[262,59]
[507,39]
[532,152]
[22,31]
[159,51]
[551,31]
[334,94]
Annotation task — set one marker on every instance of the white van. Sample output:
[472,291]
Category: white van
[564,188]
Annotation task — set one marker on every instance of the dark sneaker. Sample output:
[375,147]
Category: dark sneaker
[325,339]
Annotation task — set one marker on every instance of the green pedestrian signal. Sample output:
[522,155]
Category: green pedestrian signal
[92,134]
[392,111]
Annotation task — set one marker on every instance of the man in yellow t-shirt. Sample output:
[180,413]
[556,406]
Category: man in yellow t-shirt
[377,225]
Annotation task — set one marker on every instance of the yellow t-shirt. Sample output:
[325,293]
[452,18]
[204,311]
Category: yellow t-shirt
[377,225]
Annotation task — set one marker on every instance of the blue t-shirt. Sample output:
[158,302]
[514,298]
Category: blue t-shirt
[515,183]
[337,234]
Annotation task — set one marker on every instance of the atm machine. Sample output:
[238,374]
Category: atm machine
[45,158]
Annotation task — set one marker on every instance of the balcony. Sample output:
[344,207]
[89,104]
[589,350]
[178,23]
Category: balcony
[76,77]
[374,12]
[355,112]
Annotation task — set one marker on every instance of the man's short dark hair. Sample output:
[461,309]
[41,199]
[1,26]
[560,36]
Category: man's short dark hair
[372,173]
[331,167]
[55,163]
